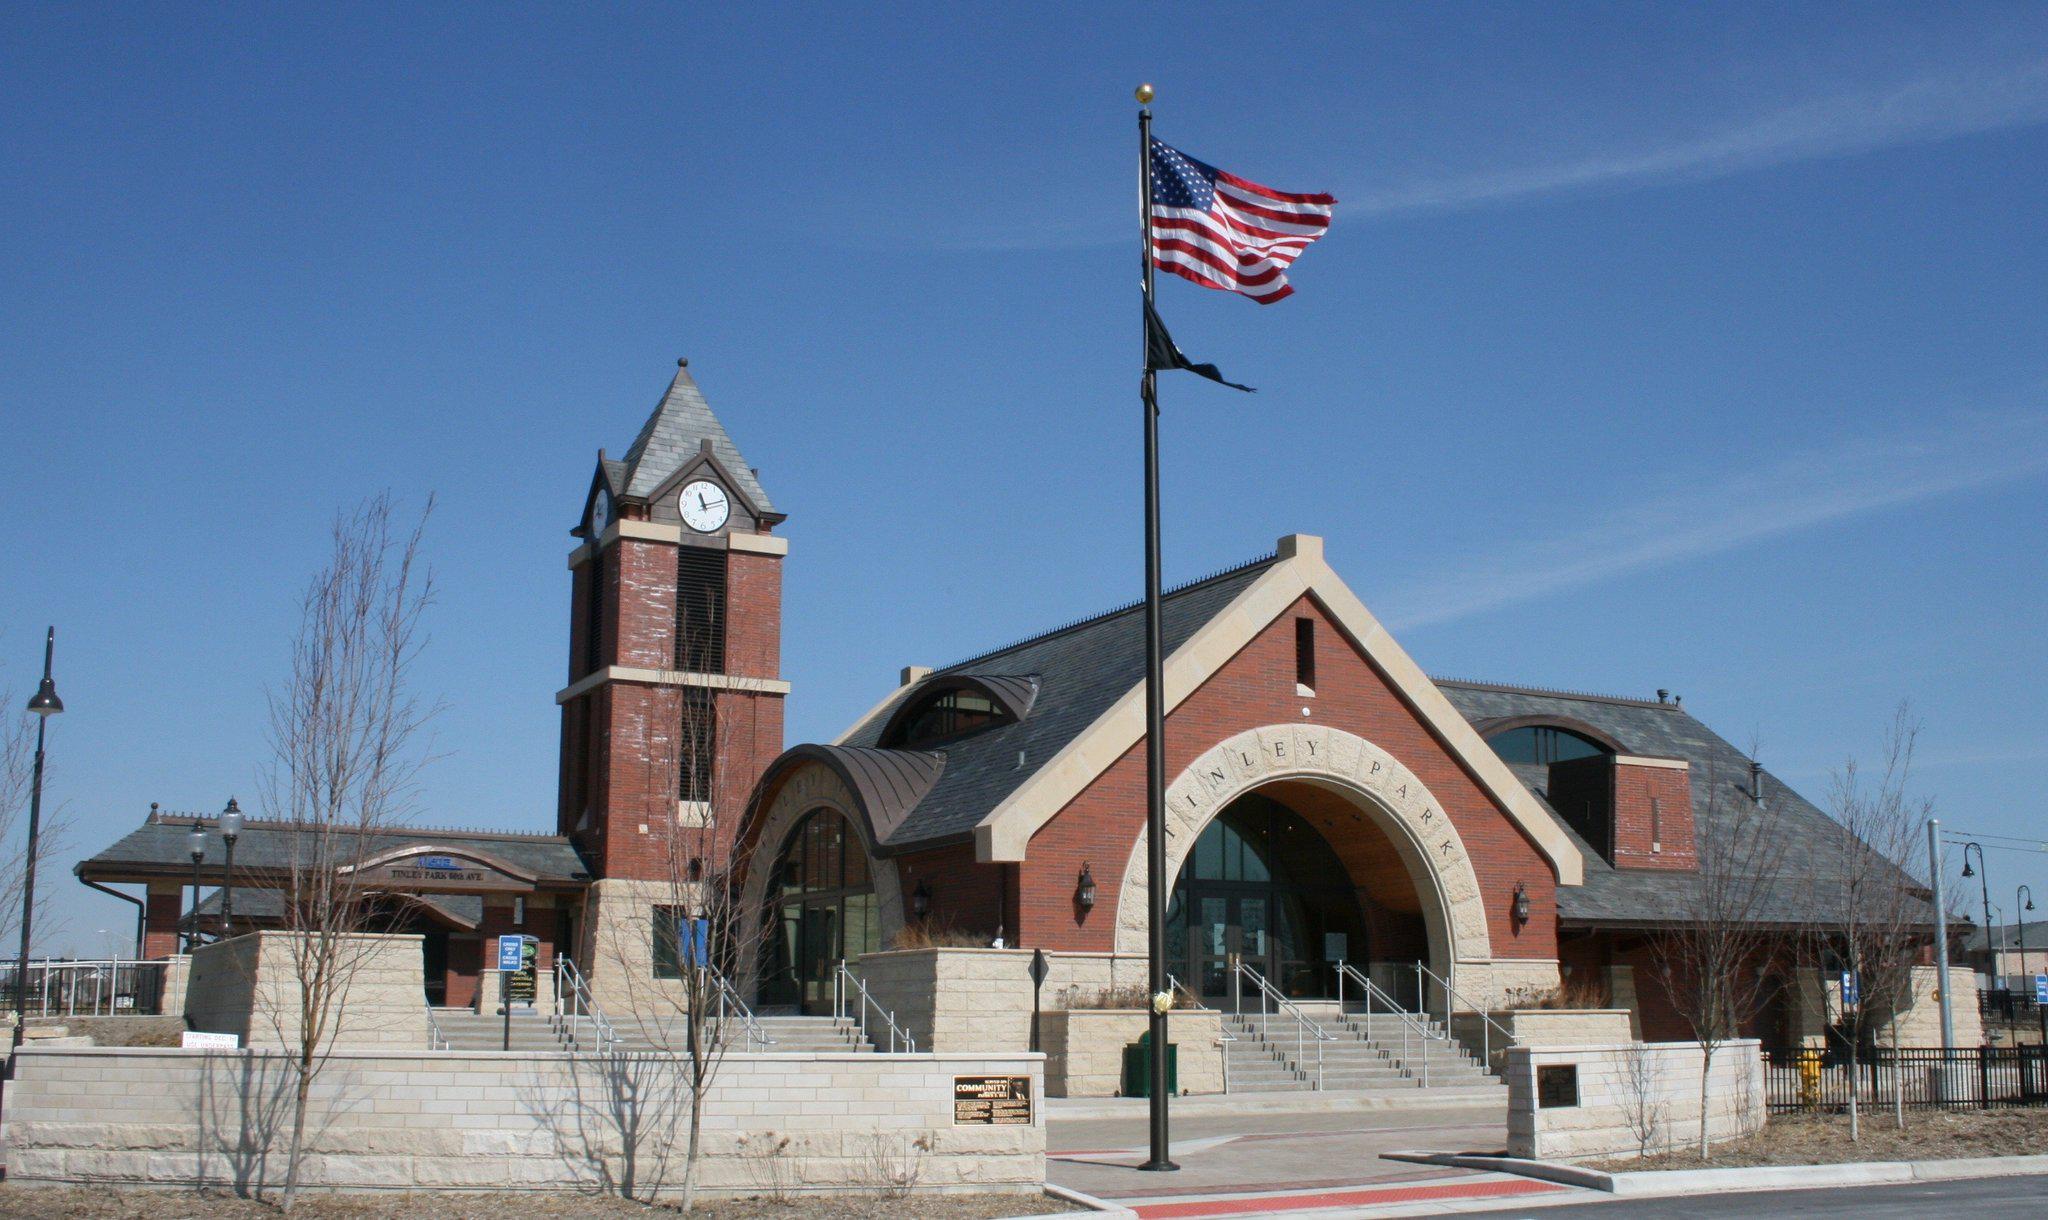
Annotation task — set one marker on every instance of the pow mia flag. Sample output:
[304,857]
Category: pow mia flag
[1160,353]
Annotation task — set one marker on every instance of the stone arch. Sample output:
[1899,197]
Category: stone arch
[814,786]
[1386,792]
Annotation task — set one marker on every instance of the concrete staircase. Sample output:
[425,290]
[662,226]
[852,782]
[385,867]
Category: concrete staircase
[1381,1053]
[533,1030]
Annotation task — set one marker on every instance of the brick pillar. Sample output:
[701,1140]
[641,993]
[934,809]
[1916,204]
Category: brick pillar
[164,906]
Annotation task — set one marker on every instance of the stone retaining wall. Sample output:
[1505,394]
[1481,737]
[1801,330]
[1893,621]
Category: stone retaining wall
[774,1124]
[1084,1049]
[246,986]
[1540,1027]
[1632,1094]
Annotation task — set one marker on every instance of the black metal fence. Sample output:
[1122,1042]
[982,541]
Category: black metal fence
[1923,1078]
[65,988]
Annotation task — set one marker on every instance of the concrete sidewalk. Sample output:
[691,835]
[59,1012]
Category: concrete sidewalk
[1253,1161]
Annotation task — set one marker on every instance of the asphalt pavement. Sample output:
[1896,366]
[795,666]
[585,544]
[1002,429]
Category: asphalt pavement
[1987,1197]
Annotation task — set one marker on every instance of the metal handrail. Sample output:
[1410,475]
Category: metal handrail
[436,1040]
[573,1002]
[1305,1030]
[841,993]
[1408,1022]
[729,1002]
[1487,1024]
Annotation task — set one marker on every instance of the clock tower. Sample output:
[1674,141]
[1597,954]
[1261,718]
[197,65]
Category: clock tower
[674,702]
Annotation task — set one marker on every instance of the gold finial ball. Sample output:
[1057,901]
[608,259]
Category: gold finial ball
[1144,93]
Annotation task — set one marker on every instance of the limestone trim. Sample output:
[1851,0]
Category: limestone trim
[1005,834]
[1453,911]
[757,544]
[668,677]
[1638,760]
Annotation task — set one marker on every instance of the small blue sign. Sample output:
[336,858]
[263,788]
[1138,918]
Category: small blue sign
[511,953]
[1848,989]
[444,864]
[696,943]
[2041,989]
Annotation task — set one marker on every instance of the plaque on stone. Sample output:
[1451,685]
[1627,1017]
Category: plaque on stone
[1557,1086]
[992,1101]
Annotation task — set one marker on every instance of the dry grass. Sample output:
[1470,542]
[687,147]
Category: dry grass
[1135,995]
[192,1205]
[925,936]
[1824,1140]
[1576,993]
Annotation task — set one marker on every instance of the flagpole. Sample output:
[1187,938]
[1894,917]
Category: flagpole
[1155,693]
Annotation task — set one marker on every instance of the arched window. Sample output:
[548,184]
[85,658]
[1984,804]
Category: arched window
[1543,744]
[944,716]
[822,911]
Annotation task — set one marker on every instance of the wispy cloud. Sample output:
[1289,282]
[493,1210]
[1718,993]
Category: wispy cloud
[1923,111]
[1811,489]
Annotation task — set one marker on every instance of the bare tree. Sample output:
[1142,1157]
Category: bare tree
[695,922]
[1882,915]
[1713,963]
[346,739]
[1642,1098]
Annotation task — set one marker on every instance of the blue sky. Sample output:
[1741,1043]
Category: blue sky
[1696,347]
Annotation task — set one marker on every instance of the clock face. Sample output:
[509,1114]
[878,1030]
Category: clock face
[704,505]
[600,513]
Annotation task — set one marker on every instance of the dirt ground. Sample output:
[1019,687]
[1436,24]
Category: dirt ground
[1824,1140]
[192,1205]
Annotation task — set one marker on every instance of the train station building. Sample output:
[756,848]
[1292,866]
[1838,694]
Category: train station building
[1334,813]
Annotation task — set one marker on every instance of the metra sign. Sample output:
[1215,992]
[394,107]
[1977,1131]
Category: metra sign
[443,862]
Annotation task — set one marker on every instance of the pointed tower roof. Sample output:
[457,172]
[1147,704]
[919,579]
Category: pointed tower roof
[676,432]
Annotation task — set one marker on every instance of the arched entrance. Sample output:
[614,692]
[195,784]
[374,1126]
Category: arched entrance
[1263,883]
[1398,849]
[821,910]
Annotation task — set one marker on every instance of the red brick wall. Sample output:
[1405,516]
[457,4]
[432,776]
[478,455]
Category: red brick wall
[160,924]
[753,633]
[1634,835]
[619,747]
[1256,687]
[966,897]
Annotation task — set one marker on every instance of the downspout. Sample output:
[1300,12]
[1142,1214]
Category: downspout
[141,911]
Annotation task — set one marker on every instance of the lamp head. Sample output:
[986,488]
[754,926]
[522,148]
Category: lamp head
[1967,870]
[1521,903]
[45,702]
[195,839]
[1144,94]
[921,900]
[231,821]
[1084,892]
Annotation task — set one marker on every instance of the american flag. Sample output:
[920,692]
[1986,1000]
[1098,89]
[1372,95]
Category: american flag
[1223,232]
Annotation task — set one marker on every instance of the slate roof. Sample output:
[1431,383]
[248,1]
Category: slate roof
[2009,937]
[1720,787]
[159,846]
[674,434]
[1080,671]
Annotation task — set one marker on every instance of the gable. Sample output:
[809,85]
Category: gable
[1006,832]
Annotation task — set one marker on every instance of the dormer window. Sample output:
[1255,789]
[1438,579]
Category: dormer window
[1543,744]
[948,715]
[955,705]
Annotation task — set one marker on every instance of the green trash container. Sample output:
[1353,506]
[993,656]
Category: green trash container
[1138,1067]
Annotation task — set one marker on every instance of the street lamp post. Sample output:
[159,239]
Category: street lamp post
[196,841]
[230,830]
[45,704]
[2020,912]
[1983,875]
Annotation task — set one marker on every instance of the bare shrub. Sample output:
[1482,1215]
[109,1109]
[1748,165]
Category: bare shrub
[925,935]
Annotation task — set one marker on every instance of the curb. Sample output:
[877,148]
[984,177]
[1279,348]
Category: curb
[1651,1182]
[1085,1202]
[1063,1109]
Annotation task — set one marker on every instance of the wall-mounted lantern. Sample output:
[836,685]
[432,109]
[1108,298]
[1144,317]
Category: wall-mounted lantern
[1084,892]
[921,900]
[1521,903]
